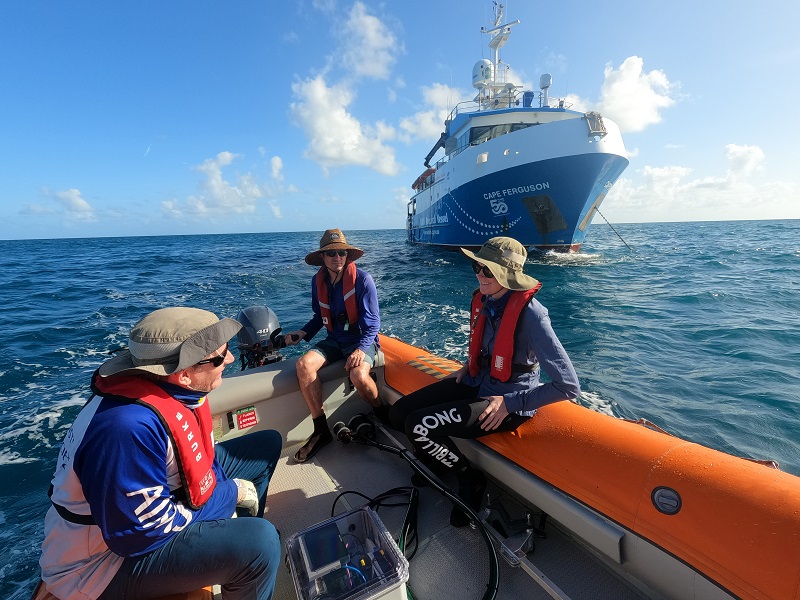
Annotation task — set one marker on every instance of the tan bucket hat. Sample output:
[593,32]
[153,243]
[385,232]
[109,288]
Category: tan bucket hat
[333,239]
[505,258]
[169,340]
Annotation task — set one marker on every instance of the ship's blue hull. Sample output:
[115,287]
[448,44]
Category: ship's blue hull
[547,204]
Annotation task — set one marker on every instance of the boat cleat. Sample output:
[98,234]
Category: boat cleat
[515,537]
[516,547]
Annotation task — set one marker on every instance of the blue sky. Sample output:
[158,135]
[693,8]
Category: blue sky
[149,118]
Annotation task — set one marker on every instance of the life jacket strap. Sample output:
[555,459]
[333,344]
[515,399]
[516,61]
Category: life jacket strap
[68,515]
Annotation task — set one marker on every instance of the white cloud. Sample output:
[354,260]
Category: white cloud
[632,98]
[428,124]
[171,208]
[326,6]
[75,207]
[328,198]
[401,196]
[744,159]
[218,196]
[277,168]
[336,137]
[669,194]
[36,210]
[517,79]
[557,62]
[369,48]
[274,208]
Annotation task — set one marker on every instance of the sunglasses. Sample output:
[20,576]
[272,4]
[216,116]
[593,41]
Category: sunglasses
[478,267]
[215,361]
[332,253]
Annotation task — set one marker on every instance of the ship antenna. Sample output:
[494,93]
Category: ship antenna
[612,229]
[499,36]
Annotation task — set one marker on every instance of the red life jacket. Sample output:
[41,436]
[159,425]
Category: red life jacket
[348,289]
[503,353]
[191,431]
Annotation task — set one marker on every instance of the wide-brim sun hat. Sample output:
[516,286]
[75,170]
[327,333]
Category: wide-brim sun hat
[505,257]
[169,340]
[333,239]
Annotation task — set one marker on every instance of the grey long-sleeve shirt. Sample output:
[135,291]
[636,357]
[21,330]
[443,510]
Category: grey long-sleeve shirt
[534,341]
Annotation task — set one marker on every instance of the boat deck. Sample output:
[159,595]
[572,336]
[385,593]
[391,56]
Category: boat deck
[450,563]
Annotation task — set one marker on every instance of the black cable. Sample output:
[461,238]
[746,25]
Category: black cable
[612,229]
[376,501]
[408,532]
[493,584]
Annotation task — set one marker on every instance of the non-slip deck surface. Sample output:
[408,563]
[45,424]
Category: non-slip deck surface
[451,564]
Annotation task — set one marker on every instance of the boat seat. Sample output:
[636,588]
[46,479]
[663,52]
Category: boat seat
[273,392]
[41,593]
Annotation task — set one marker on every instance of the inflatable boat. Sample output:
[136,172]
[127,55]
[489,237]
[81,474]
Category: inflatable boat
[581,504]
[670,518]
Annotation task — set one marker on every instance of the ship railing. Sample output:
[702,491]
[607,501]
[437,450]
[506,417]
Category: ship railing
[447,157]
[512,99]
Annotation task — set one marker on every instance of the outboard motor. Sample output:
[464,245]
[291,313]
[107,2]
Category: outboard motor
[259,338]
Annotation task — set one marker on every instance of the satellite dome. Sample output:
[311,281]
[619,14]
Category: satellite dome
[482,74]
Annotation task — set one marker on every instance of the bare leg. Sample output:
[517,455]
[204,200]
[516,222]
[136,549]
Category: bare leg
[364,384]
[308,367]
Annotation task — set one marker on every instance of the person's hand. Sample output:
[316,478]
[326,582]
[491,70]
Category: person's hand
[494,413]
[460,373]
[247,496]
[294,337]
[356,358]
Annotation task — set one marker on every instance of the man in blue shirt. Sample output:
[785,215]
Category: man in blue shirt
[345,301]
[142,499]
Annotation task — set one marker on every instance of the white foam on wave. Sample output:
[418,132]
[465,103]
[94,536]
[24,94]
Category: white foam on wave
[84,352]
[570,259]
[21,363]
[597,403]
[40,425]
[9,457]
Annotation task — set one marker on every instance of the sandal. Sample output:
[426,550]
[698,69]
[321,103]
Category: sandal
[312,446]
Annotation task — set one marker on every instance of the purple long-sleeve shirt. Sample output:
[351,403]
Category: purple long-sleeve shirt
[369,319]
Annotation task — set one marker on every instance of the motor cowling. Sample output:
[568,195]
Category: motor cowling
[260,337]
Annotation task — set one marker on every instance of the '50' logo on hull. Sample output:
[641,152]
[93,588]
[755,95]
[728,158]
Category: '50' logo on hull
[498,207]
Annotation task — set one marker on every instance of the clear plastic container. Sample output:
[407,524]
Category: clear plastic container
[351,556]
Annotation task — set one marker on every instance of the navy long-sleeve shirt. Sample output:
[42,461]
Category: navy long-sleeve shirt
[118,465]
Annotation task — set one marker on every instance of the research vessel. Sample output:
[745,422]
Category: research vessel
[516,163]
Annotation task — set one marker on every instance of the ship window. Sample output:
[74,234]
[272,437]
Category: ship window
[484,133]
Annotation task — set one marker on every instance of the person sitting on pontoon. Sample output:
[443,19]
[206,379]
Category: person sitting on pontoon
[142,499]
[498,389]
[345,301]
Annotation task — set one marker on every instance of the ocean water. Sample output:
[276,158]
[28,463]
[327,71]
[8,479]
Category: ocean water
[695,328]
